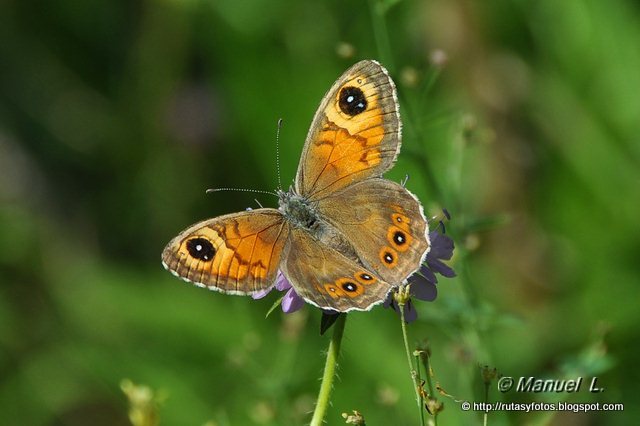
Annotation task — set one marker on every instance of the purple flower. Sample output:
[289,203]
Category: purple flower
[291,302]
[423,282]
[441,249]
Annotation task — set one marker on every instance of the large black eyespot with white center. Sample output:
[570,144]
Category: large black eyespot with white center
[365,277]
[352,100]
[399,238]
[201,249]
[349,287]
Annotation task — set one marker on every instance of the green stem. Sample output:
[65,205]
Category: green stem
[414,378]
[381,34]
[485,418]
[329,371]
[427,367]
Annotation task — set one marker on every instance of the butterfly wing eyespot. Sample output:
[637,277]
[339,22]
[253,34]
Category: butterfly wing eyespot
[349,286]
[400,220]
[400,239]
[237,253]
[364,277]
[333,290]
[343,287]
[352,100]
[200,248]
[354,135]
[388,257]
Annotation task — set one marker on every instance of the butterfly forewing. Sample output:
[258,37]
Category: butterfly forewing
[354,135]
[237,253]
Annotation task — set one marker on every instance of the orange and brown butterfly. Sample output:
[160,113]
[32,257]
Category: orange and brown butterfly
[343,236]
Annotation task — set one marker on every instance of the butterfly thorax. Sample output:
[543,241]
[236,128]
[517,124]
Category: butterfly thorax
[301,213]
[298,210]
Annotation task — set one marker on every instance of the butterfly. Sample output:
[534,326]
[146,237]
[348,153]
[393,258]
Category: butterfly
[343,236]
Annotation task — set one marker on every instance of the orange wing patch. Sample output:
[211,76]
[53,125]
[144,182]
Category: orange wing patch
[247,252]
[349,140]
[343,154]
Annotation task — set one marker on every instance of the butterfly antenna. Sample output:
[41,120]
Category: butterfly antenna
[404,181]
[278,153]
[210,190]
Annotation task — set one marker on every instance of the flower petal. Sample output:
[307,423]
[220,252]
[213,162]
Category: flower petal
[410,313]
[428,274]
[282,283]
[292,302]
[436,266]
[422,288]
[441,246]
[262,293]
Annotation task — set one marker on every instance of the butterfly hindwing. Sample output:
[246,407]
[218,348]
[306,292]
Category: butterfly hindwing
[383,222]
[326,278]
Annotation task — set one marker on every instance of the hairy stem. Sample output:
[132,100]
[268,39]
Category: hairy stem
[329,372]
[412,370]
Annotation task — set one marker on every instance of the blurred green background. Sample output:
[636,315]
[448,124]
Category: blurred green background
[115,116]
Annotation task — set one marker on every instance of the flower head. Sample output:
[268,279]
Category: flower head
[291,302]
